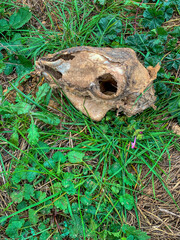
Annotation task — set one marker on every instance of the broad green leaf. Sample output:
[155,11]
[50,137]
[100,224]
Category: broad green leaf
[75,157]
[46,117]
[22,108]
[127,201]
[19,18]
[3,222]
[153,18]
[1,57]
[61,203]
[33,217]
[33,134]
[131,230]
[14,139]
[23,65]
[28,191]
[42,92]
[115,189]
[4,25]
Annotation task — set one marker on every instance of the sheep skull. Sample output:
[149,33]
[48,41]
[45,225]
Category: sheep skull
[99,79]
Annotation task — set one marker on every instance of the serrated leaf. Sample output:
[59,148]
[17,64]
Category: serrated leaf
[101,2]
[59,157]
[44,235]
[68,187]
[9,67]
[4,25]
[17,196]
[13,228]
[85,200]
[28,191]
[47,117]
[61,203]
[2,66]
[19,174]
[22,205]
[175,32]
[115,167]
[50,163]
[31,174]
[75,157]
[19,18]
[127,201]
[33,217]
[153,18]
[1,57]
[108,28]
[137,42]
[57,187]
[43,148]
[42,196]
[131,230]
[173,61]
[33,134]
[168,12]
[42,92]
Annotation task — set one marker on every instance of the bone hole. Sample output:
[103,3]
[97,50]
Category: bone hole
[107,84]
[65,57]
[53,73]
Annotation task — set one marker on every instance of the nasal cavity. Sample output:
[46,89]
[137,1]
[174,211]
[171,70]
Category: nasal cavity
[107,84]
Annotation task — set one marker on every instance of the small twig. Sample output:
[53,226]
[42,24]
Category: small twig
[172,60]
[2,175]
[95,6]
[167,211]
[135,21]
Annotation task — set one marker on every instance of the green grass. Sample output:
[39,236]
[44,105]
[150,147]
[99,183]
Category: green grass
[68,177]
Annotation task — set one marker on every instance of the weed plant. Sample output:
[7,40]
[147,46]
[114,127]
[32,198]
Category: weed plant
[64,176]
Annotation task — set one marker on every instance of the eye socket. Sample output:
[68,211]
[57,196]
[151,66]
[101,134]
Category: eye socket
[53,73]
[107,84]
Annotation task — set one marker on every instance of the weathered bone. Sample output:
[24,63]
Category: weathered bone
[99,79]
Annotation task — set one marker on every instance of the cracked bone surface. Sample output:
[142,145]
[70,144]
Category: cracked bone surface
[99,79]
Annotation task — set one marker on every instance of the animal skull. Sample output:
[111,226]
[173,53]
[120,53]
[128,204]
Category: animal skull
[99,79]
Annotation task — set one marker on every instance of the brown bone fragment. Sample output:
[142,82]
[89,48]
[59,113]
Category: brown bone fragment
[99,79]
